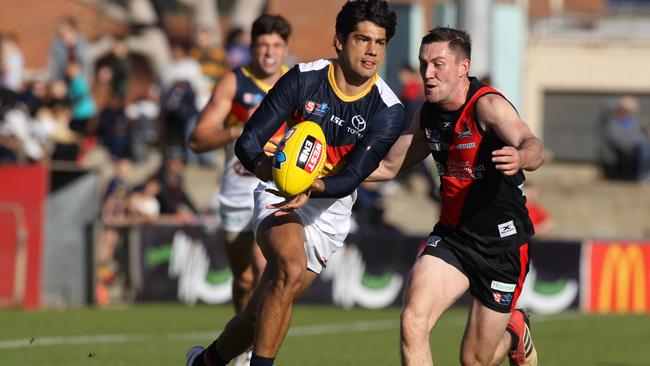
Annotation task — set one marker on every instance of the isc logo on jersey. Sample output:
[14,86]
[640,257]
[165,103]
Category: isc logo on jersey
[299,159]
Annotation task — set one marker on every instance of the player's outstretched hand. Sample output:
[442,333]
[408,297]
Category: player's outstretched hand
[507,160]
[290,203]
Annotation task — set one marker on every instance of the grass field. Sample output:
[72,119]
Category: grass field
[321,335]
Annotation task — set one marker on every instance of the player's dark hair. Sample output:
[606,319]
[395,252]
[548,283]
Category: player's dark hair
[354,12]
[269,24]
[459,41]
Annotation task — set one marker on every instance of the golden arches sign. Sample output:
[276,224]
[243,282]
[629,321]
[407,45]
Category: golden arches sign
[623,272]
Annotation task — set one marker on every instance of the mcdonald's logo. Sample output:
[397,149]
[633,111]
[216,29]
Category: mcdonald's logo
[619,278]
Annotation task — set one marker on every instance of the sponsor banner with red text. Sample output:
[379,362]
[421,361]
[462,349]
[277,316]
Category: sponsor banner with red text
[616,277]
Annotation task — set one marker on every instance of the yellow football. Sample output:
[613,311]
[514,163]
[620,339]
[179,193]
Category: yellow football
[299,158]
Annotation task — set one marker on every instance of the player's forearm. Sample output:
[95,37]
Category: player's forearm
[532,153]
[385,171]
[202,140]
[337,186]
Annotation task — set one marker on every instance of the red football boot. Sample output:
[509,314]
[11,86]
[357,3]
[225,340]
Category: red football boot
[523,352]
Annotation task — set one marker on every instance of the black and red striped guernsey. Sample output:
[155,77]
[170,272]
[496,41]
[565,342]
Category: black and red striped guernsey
[359,130]
[480,206]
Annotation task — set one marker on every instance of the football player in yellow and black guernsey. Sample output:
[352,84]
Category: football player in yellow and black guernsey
[361,118]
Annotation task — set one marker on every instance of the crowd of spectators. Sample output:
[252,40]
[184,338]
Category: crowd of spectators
[81,106]
[78,103]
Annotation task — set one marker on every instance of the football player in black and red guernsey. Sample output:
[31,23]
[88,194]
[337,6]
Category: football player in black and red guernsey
[480,244]
[361,118]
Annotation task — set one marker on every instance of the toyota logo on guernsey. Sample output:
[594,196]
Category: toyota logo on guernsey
[358,123]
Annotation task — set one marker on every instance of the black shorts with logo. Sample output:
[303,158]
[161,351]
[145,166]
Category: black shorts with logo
[495,280]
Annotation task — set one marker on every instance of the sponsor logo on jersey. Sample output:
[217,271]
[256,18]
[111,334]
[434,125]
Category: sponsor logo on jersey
[462,169]
[446,124]
[337,120]
[321,109]
[507,229]
[470,145]
[501,286]
[501,299]
[250,98]
[433,240]
[318,109]
[359,123]
[309,106]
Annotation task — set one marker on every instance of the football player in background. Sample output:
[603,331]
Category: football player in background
[361,118]
[234,99]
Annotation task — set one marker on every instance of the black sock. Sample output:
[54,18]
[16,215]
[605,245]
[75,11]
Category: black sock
[261,361]
[199,360]
[210,357]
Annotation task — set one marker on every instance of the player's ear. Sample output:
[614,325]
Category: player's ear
[338,43]
[464,68]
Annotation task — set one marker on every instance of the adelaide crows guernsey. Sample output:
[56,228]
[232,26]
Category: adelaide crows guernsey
[480,206]
[359,130]
[237,184]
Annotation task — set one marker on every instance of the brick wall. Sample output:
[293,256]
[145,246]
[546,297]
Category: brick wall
[538,9]
[313,24]
[314,20]
[34,22]
[586,6]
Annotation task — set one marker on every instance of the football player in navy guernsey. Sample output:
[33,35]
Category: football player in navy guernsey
[361,118]
[221,122]
[480,244]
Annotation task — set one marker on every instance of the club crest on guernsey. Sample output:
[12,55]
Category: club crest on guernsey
[464,131]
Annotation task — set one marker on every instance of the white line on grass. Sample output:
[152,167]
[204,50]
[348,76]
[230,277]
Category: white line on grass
[299,330]
[304,330]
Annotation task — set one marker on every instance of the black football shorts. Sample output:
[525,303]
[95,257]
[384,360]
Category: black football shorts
[495,280]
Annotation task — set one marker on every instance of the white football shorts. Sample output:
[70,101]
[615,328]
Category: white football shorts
[326,222]
[236,219]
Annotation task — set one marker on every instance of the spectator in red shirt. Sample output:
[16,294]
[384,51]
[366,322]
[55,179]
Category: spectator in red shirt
[542,219]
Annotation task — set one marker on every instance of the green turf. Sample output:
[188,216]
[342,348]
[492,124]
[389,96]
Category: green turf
[160,334]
